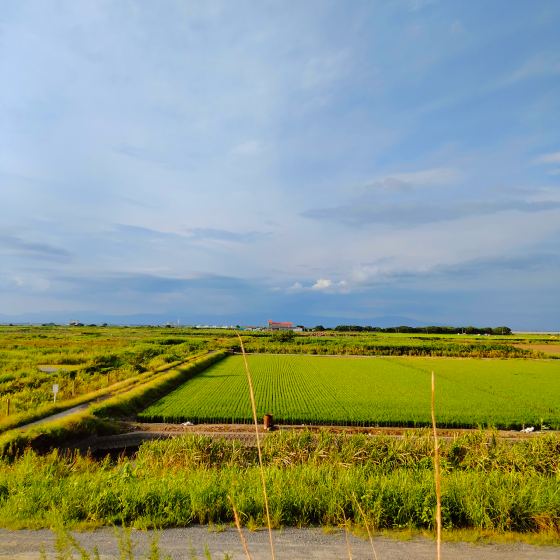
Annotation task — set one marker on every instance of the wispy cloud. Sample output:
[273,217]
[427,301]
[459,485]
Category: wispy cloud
[193,234]
[552,157]
[365,211]
[542,64]
[213,234]
[436,177]
[346,152]
[17,246]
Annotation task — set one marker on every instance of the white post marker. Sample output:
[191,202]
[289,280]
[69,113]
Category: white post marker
[55,390]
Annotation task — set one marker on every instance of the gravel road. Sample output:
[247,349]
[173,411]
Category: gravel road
[290,544]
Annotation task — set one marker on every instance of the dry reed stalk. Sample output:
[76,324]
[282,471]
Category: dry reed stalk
[436,470]
[238,525]
[348,547]
[254,407]
[367,526]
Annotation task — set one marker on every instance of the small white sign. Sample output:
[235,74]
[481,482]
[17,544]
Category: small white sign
[55,390]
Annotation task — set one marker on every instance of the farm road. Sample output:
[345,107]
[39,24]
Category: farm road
[64,413]
[109,395]
[290,544]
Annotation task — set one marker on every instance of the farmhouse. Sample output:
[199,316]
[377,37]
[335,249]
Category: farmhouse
[280,326]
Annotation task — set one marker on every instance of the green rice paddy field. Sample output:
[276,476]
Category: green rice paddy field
[370,391]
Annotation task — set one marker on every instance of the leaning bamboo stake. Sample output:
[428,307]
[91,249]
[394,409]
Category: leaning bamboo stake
[241,535]
[254,407]
[436,470]
[367,526]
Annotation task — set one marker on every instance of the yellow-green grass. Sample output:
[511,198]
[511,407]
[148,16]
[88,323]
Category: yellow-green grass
[370,391]
[49,409]
[81,360]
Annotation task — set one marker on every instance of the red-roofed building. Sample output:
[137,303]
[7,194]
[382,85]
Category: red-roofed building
[280,326]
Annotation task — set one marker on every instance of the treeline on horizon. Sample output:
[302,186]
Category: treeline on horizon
[418,330]
[470,330]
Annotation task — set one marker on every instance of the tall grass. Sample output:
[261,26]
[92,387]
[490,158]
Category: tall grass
[311,478]
[63,432]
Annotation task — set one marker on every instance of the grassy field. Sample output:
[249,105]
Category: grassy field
[82,359]
[385,391]
[90,358]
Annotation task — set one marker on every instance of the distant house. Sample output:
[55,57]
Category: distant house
[280,326]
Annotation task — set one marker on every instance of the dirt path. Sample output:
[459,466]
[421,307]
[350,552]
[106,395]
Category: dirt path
[290,544]
[56,416]
[110,394]
[137,432]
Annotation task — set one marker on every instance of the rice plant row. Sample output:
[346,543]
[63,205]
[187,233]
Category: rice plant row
[370,391]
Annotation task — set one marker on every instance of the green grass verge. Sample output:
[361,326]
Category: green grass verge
[77,426]
[312,479]
[17,420]
[58,433]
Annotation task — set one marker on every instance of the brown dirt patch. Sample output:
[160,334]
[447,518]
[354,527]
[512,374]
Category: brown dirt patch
[551,349]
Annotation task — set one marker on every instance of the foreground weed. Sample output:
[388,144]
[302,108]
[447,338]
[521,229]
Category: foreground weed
[239,530]
[66,547]
[437,474]
[66,544]
[254,408]
[348,545]
[370,536]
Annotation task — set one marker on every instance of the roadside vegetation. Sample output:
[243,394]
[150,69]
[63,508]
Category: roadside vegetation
[325,478]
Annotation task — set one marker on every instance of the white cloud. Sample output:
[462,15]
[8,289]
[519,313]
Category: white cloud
[327,285]
[322,284]
[553,157]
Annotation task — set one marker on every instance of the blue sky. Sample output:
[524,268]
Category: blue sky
[321,162]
